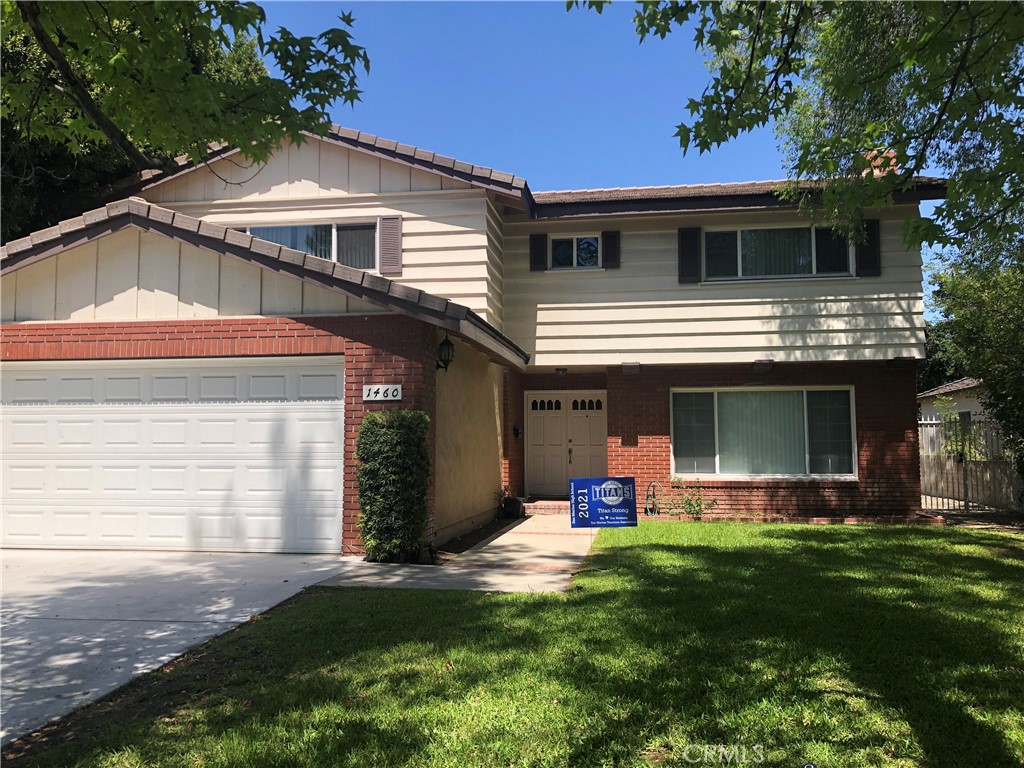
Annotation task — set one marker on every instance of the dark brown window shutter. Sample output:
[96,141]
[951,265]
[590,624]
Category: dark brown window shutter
[390,233]
[610,250]
[538,253]
[869,253]
[689,255]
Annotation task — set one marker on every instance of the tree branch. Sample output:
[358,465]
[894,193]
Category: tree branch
[954,82]
[79,92]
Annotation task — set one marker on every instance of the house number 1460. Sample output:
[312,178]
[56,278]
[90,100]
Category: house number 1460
[373,392]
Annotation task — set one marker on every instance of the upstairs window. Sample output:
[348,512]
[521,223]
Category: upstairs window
[354,245]
[578,252]
[774,252]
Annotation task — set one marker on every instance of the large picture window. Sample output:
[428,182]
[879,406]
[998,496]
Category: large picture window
[763,432]
[774,252]
[354,245]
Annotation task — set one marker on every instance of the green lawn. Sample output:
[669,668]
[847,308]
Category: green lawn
[846,646]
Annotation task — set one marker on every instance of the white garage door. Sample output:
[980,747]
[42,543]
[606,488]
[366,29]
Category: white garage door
[232,455]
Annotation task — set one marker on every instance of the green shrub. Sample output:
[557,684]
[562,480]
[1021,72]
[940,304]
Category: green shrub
[692,502]
[394,472]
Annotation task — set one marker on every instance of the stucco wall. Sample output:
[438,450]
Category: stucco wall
[467,468]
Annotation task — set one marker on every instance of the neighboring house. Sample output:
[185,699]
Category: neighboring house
[188,368]
[963,397]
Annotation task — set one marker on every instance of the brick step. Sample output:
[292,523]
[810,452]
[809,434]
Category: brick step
[552,507]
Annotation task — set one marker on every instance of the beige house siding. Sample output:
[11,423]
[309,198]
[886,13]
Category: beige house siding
[640,312]
[311,170]
[467,470]
[495,269]
[445,227]
[135,275]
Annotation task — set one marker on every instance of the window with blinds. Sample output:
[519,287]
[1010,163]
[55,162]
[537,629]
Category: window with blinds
[789,432]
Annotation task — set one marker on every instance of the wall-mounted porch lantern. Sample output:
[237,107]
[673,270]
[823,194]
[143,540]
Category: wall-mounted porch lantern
[445,353]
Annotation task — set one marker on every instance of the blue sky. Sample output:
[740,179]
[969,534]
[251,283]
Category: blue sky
[563,99]
[566,100]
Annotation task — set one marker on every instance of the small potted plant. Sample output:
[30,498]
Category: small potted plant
[508,505]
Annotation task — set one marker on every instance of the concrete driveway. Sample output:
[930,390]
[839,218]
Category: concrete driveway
[77,625]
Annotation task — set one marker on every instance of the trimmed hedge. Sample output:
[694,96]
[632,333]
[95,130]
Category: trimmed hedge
[394,473]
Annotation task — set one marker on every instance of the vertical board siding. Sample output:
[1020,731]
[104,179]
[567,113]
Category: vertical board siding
[134,275]
[640,313]
[240,287]
[304,169]
[37,295]
[319,301]
[76,284]
[159,262]
[280,293]
[198,283]
[451,234]
[117,275]
[8,296]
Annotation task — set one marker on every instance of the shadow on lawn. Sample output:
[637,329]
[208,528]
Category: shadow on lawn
[902,619]
[792,637]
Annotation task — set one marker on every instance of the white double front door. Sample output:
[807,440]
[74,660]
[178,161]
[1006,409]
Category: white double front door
[566,436]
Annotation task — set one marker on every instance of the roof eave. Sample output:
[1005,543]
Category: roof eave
[511,187]
[214,238]
[690,204]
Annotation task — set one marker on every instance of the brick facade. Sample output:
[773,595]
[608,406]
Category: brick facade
[397,349]
[513,457]
[639,443]
[402,350]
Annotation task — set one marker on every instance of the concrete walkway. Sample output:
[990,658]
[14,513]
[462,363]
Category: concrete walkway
[78,624]
[535,554]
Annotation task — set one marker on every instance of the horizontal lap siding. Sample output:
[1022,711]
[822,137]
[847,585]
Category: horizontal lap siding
[446,237]
[495,268]
[641,313]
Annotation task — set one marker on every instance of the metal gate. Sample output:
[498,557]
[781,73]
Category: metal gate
[966,467]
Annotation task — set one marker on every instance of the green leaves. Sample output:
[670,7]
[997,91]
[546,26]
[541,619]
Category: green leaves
[939,85]
[394,476]
[143,62]
[981,294]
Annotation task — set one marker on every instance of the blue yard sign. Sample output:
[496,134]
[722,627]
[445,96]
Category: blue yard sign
[602,502]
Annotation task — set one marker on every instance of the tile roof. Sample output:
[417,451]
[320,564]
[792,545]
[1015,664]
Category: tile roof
[415,156]
[134,211]
[498,181]
[558,203]
[695,197]
[731,189]
[954,386]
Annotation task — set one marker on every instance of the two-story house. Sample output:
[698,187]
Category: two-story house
[188,367]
